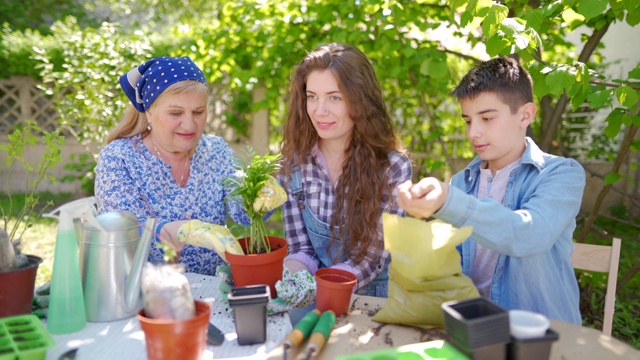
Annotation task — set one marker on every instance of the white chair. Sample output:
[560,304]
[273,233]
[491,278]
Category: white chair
[604,259]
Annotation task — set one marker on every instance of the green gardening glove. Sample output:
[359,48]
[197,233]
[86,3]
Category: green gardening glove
[224,273]
[294,291]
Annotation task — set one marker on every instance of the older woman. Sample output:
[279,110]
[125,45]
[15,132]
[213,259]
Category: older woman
[157,162]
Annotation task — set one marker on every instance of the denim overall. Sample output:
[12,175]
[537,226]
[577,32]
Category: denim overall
[319,234]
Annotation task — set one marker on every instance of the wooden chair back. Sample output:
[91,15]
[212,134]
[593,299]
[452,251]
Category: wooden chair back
[604,259]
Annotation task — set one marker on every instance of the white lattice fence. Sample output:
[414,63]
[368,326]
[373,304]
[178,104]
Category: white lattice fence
[21,100]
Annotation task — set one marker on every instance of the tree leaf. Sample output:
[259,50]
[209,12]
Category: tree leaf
[611,178]
[635,73]
[633,17]
[496,16]
[483,7]
[496,44]
[534,18]
[599,99]
[591,8]
[513,26]
[614,123]
[559,80]
[627,96]
[572,18]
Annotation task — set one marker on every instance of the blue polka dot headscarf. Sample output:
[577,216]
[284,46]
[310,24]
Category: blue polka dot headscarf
[146,82]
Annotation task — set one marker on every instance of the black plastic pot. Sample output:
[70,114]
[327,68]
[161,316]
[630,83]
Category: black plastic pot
[249,305]
[478,328]
[532,349]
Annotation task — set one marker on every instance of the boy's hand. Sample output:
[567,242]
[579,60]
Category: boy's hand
[423,199]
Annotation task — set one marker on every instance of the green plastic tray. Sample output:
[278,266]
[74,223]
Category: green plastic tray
[23,337]
[437,349]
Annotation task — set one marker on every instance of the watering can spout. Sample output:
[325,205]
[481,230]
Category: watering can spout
[132,289]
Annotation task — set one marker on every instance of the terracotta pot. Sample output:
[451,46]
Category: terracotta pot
[176,339]
[259,269]
[333,290]
[17,288]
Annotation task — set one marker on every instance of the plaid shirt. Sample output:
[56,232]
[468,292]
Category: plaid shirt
[320,196]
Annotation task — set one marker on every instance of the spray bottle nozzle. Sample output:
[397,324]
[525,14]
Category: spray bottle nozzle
[82,208]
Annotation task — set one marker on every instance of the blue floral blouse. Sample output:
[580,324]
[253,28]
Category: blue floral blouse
[129,177]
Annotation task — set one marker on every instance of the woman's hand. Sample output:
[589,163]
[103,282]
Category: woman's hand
[423,199]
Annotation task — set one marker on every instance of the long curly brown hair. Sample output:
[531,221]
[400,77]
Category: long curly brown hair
[363,184]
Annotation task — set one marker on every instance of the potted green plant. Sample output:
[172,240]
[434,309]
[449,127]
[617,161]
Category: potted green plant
[258,191]
[18,271]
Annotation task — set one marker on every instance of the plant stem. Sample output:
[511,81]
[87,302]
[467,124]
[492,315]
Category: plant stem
[258,232]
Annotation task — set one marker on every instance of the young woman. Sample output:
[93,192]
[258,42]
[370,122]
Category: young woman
[342,163]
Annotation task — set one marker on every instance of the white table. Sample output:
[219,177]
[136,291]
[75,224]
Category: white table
[353,333]
[356,333]
[123,339]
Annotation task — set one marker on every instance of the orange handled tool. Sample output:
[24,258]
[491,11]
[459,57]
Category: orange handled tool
[301,331]
[320,333]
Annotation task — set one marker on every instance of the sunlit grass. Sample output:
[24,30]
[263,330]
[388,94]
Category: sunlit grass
[40,240]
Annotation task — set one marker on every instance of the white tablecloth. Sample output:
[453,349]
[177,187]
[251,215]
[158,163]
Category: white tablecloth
[123,339]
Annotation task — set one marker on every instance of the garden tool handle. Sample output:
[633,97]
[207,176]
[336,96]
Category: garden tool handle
[302,330]
[320,333]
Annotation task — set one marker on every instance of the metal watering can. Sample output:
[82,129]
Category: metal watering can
[111,262]
[112,253]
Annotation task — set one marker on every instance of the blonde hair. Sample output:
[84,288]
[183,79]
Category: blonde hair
[134,122]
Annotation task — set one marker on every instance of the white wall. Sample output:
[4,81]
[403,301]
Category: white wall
[622,47]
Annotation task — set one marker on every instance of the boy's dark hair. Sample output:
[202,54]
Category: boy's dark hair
[503,76]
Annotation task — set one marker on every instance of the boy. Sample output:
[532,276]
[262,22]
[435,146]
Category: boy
[521,202]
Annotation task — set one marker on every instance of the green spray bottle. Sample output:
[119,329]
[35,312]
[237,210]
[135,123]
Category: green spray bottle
[66,312]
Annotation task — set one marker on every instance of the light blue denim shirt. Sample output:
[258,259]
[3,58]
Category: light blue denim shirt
[532,230]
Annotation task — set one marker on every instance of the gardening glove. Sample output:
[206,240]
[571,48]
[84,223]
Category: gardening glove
[294,291]
[40,306]
[210,236]
[270,197]
[226,283]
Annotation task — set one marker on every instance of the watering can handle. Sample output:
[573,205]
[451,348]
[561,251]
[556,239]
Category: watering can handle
[132,291]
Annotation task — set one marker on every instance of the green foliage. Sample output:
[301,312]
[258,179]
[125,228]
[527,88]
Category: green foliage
[417,57]
[252,174]
[81,168]
[95,59]
[16,52]
[38,15]
[22,138]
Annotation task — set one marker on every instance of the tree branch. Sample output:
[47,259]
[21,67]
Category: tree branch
[434,126]
[624,149]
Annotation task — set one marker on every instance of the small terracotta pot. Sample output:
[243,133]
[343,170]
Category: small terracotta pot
[176,339]
[259,269]
[333,290]
[17,288]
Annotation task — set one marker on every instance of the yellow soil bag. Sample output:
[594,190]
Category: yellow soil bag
[424,271]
